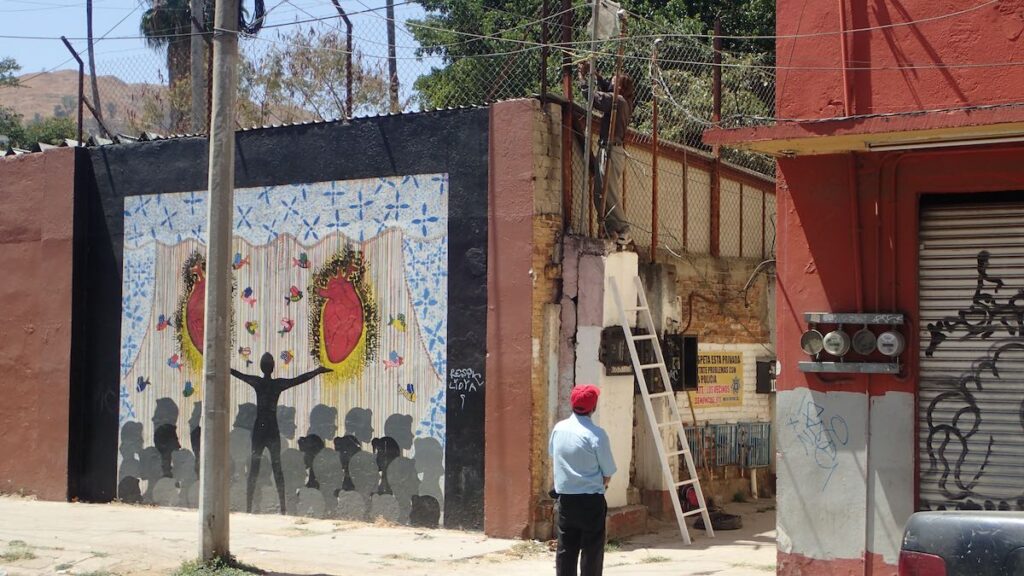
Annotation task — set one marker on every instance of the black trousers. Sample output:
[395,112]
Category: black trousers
[581,534]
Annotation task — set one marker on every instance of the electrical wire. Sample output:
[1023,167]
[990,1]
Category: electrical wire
[79,53]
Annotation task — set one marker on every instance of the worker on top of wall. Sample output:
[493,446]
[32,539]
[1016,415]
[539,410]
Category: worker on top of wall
[581,456]
[611,156]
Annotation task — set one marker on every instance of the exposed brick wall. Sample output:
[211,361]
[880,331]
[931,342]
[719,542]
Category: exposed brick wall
[723,320]
[547,274]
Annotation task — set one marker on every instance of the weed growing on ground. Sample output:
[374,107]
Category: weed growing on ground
[407,557]
[216,567]
[654,559]
[64,566]
[760,567]
[612,546]
[740,496]
[527,548]
[17,550]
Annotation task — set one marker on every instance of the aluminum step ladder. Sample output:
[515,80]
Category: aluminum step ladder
[645,321]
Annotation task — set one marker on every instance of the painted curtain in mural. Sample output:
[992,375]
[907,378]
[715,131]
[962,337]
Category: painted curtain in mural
[339,337]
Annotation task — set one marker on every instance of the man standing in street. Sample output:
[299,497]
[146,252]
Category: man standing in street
[581,456]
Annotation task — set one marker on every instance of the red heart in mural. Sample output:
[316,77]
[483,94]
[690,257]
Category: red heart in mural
[196,311]
[342,318]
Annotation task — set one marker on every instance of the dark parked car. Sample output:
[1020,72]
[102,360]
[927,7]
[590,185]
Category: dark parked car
[966,543]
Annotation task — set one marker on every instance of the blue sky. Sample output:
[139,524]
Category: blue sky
[120,18]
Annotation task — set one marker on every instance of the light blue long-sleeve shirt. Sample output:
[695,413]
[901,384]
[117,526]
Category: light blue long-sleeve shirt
[581,456]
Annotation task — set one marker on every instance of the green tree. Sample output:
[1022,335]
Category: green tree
[166,25]
[10,121]
[302,77]
[477,70]
[11,128]
[8,67]
[50,131]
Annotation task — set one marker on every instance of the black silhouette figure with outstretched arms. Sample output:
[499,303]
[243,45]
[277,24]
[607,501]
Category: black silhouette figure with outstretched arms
[265,433]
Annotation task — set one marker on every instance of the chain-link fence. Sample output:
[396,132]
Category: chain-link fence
[322,68]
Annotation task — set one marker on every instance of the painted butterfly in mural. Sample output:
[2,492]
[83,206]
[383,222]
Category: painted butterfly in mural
[294,295]
[344,317]
[174,362]
[141,384]
[286,326]
[162,323]
[238,262]
[287,356]
[246,354]
[408,391]
[188,390]
[302,261]
[252,327]
[393,361]
[248,296]
[398,323]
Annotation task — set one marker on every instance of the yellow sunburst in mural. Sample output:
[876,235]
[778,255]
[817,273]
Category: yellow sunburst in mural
[189,321]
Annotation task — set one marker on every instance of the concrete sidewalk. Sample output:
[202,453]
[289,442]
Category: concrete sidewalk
[115,539]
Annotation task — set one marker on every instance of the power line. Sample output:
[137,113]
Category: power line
[97,41]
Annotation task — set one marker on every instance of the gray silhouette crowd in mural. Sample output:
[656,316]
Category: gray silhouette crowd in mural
[343,480]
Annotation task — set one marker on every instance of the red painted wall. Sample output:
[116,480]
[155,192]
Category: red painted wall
[508,427]
[902,67]
[832,257]
[36,192]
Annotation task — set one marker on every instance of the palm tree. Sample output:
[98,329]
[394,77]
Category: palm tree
[167,24]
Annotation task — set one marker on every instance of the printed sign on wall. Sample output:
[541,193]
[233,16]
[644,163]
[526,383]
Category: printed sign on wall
[719,380]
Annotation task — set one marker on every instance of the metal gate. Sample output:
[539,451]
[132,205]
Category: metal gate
[970,410]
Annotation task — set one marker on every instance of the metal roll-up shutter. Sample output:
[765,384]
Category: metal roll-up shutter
[971,388]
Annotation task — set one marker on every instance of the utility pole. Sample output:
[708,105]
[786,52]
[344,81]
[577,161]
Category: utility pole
[214,485]
[392,59]
[198,60]
[98,110]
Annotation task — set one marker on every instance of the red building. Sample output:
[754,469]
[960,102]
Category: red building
[901,192]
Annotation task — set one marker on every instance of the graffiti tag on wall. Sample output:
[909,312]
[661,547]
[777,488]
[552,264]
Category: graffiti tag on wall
[968,429]
[821,435]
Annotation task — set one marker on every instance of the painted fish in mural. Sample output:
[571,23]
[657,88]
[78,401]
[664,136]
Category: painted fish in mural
[246,353]
[393,360]
[162,323]
[248,296]
[398,323]
[302,261]
[238,262]
[294,295]
[188,390]
[286,326]
[141,384]
[174,362]
[252,327]
[287,356]
[408,391]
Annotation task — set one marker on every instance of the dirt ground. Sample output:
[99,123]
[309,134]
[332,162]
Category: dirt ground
[112,539]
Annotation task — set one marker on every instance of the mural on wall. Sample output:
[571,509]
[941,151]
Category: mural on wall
[969,430]
[340,328]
